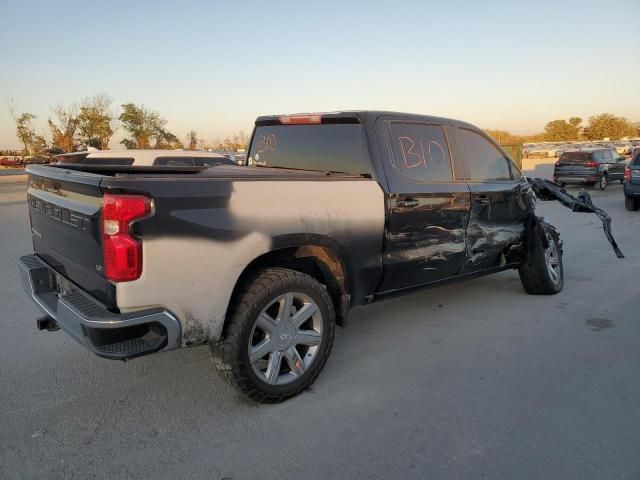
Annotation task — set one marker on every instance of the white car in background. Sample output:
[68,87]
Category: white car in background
[239,158]
[145,158]
[623,148]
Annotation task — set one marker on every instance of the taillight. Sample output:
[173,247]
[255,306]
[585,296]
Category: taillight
[122,253]
[301,119]
[627,173]
[591,164]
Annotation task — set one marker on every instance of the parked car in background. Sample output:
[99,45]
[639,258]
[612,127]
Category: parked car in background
[633,152]
[144,158]
[239,158]
[623,148]
[590,167]
[632,183]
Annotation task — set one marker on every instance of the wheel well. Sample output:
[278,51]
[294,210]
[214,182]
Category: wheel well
[321,263]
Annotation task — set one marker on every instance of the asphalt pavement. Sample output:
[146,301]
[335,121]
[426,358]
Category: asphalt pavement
[470,381]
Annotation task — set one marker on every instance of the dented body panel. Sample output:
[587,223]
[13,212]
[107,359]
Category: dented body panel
[496,230]
[212,243]
[406,214]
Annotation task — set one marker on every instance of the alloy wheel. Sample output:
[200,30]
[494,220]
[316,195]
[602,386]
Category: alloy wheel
[603,182]
[285,338]
[552,259]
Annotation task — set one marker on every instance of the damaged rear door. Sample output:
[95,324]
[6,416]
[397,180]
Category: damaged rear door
[500,203]
[428,207]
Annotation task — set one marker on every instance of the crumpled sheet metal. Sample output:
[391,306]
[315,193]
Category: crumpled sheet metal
[547,190]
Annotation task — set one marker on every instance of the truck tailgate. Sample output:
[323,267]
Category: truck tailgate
[573,169]
[64,208]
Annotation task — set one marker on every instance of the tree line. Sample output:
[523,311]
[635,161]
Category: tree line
[598,127]
[93,121]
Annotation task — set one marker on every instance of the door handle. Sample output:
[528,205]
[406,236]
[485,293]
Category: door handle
[481,200]
[408,203]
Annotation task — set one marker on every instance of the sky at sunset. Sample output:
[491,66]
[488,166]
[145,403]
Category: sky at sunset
[214,66]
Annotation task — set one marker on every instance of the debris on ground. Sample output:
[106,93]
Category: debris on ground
[547,190]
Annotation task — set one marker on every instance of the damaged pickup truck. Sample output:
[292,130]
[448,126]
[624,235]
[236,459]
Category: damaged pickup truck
[262,261]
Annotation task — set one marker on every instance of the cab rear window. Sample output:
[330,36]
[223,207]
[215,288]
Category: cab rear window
[335,148]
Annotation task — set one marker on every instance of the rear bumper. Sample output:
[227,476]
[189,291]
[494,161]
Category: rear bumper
[576,179]
[107,334]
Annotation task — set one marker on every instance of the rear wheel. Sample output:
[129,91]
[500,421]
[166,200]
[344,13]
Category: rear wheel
[279,337]
[631,204]
[602,183]
[542,273]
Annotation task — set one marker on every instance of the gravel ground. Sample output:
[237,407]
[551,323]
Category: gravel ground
[470,381]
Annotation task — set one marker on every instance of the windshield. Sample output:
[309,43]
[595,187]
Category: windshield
[332,148]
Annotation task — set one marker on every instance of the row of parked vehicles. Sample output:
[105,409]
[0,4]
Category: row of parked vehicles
[555,149]
[180,158]
[598,167]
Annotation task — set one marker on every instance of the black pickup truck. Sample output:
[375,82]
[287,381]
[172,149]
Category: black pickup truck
[261,261]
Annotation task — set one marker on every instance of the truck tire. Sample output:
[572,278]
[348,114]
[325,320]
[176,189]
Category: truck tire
[542,273]
[279,336]
[631,204]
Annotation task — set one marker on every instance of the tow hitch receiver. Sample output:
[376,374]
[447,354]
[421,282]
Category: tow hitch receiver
[47,323]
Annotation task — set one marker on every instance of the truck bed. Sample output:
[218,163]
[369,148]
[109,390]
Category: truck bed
[203,219]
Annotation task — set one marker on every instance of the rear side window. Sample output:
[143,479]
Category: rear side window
[601,156]
[336,148]
[635,161]
[174,161]
[420,152]
[485,161]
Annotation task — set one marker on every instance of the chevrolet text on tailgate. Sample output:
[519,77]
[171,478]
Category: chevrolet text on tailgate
[262,261]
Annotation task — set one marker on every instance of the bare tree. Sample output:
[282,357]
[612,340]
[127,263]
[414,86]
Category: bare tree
[233,143]
[192,139]
[25,130]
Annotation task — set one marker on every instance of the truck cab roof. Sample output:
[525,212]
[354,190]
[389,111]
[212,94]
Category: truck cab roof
[353,116]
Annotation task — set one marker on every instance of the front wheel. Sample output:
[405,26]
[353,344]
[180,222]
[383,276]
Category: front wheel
[279,336]
[542,273]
